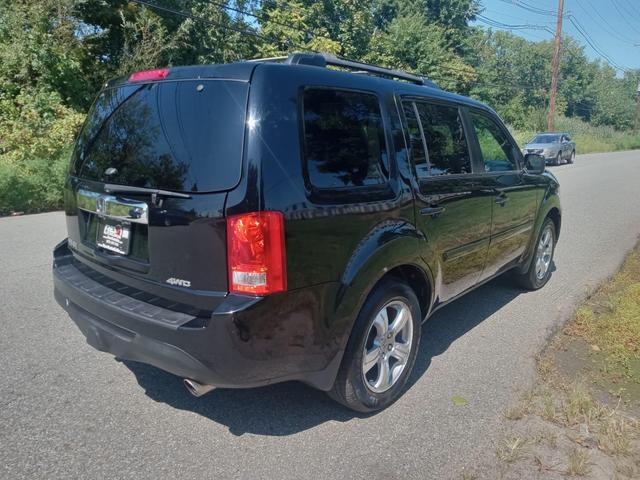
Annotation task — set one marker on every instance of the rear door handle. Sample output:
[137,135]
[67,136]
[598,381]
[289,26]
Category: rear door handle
[433,211]
[501,199]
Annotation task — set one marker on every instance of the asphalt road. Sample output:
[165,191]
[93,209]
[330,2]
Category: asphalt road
[67,411]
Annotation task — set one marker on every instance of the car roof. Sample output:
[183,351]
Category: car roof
[243,71]
[376,82]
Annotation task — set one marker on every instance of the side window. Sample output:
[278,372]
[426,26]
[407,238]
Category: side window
[418,154]
[446,143]
[344,141]
[498,153]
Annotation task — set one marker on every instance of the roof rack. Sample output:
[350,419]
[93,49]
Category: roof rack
[324,59]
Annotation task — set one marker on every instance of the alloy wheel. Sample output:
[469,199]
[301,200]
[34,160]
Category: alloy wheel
[388,346]
[544,253]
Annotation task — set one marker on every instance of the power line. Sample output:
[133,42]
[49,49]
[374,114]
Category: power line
[611,30]
[441,68]
[262,17]
[525,26]
[494,12]
[207,21]
[624,16]
[582,31]
[530,8]
[631,8]
[258,35]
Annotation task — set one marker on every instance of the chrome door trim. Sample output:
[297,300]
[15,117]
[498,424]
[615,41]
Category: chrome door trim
[114,207]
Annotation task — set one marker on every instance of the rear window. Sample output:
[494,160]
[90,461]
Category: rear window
[545,139]
[344,142]
[176,135]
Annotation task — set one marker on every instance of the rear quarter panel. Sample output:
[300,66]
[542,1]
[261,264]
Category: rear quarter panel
[348,240]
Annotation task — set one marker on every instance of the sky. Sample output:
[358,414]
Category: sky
[613,26]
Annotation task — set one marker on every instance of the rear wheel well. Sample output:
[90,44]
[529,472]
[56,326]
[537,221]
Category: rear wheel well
[415,278]
[554,215]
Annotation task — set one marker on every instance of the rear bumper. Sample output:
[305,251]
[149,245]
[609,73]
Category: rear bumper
[240,345]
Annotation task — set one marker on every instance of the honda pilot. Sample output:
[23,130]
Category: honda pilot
[291,219]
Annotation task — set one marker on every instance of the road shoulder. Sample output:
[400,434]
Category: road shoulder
[581,418]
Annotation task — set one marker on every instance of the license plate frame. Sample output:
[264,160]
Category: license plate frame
[114,236]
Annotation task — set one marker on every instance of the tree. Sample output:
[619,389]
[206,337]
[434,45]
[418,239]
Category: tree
[411,43]
[614,101]
[41,84]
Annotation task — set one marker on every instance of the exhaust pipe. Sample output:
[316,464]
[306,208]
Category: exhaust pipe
[197,389]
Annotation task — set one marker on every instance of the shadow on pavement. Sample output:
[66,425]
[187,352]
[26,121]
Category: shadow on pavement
[288,408]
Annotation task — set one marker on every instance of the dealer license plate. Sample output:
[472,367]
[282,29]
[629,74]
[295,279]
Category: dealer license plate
[114,236]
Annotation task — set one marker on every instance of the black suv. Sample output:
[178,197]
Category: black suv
[291,219]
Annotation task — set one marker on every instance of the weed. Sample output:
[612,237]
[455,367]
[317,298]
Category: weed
[511,450]
[578,405]
[578,463]
[549,411]
[547,437]
[516,412]
[546,367]
[624,470]
[615,437]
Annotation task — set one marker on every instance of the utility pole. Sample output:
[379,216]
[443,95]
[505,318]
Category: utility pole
[555,69]
[638,107]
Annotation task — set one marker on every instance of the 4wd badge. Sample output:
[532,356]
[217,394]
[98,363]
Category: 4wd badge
[179,282]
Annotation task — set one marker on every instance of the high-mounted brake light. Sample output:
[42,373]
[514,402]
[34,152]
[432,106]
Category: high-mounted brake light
[147,75]
[256,254]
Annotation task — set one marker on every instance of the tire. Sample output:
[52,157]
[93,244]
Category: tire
[572,157]
[365,390]
[558,159]
[532,279]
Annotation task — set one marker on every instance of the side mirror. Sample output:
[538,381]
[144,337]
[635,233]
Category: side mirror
[534,163]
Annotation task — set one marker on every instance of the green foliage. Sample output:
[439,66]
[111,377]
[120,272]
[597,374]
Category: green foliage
[39,49]
[36,129]
[40,84]
[614,104]
[146,42]
[412,44]
[56,54]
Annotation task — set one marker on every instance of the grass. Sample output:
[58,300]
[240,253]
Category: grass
[516,412]
[610,323]
[616,436]
[625,471]
[578,463]
[511,449]
[578,406]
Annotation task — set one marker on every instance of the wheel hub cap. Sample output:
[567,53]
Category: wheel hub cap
[544,253]
[387,346]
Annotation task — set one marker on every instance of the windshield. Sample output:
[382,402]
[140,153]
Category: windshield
[545,139]
[176,135]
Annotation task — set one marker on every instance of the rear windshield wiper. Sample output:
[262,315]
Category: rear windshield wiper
[111,188]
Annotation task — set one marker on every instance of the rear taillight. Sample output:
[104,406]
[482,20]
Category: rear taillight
[149,75]
[255,252]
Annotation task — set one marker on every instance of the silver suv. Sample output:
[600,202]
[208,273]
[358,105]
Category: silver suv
[554,147]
